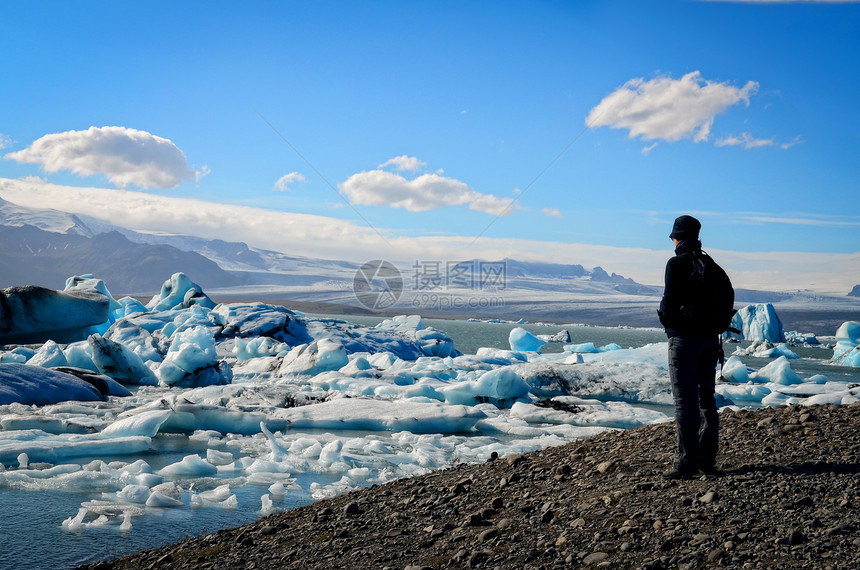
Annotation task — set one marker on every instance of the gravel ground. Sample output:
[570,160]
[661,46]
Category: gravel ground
[789,497]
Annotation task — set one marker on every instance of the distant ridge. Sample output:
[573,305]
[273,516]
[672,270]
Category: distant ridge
[32,256]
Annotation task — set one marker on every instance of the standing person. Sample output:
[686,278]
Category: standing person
[693,312]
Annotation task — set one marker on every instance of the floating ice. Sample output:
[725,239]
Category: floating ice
[179,292]
[501,387]
[49,355]
[778,372]
[766,349]
[758,322]
[588,347]
[40,386]
[847,351]
[192,361]
[36,314]
[120,363]
[522,340]
[190,466]
[735,371]
[319,356]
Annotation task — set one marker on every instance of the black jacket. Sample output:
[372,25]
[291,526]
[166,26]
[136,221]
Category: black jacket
[678,293]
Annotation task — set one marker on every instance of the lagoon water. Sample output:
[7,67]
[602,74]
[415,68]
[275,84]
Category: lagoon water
[31,531]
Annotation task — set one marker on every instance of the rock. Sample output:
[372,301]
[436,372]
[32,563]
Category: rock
[595,558]
[708,497]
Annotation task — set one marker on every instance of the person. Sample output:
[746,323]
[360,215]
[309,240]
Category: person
[693,354]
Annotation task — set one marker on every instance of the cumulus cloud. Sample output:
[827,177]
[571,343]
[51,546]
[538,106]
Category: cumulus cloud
[552,213]
[425,192]
[668,109]
[5,141]
[284,182]
[746,140]
[126,156]
[404,163]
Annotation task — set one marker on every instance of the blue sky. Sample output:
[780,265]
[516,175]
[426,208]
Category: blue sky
[562,131]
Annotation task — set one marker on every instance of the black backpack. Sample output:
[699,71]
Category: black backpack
[712,296]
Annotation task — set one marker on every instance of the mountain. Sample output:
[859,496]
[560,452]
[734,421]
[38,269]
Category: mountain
[32,256]
[855,292]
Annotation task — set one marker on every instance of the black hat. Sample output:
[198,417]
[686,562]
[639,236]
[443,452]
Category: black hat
[685,228]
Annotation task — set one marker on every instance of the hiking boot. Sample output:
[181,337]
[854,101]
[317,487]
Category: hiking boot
[711,471]
[676,473]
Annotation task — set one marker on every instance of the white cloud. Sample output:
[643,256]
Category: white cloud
[5,142]
[333,238]
[647,150]
[199,174]
[404,163]
[287,180]
[746,140]
[552,213]
[666,108]
[425,192]
[126,156]
[791,143]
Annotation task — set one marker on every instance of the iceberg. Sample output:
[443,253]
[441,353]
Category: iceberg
[757,322]
[32,314]
[34,385]
[119,362]
[847,350]
[193,361]
[179,292]
[522,340]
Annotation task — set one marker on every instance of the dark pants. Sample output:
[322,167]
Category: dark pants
[692,371]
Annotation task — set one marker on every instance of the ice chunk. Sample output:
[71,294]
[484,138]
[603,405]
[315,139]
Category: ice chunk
[179,292]
[34,385]
[248,320]
[134,494]
[382,415]
[501,387]
[160,500]
[560,336]
[135,338]
[128,306]
[588,347]
[522,340]
[258,347]
[846,351]
[49,355]
[758,322]
[317,357]
[80,355]
[35,314]
[402,323]
[104,384]
[190,466]
[735,371]
[434,342]
[192,361]
[778,372]
[119,362]
[216,457]
[145,423]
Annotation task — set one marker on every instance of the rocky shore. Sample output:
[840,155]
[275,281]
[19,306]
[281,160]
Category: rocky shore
[789,497]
